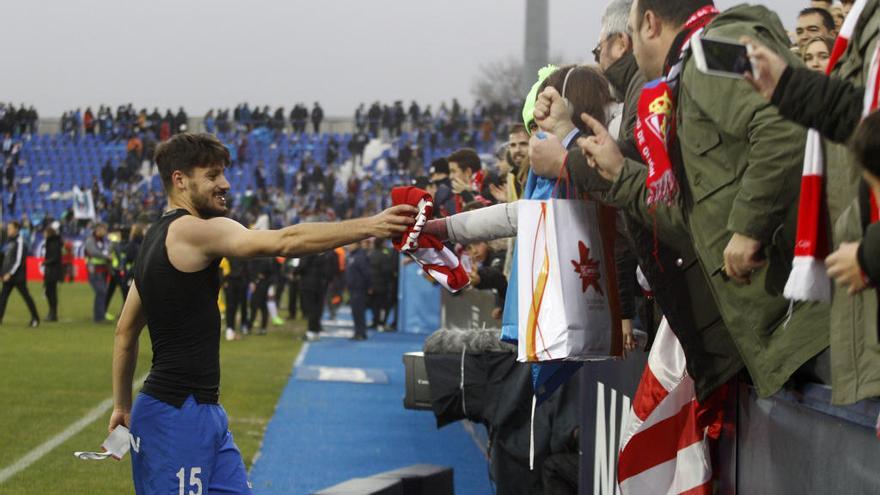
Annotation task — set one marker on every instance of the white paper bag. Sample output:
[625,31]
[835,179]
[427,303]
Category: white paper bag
[567,289]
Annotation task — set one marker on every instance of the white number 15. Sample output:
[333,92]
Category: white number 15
[194,482]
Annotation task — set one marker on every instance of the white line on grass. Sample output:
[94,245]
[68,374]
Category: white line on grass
[49,445]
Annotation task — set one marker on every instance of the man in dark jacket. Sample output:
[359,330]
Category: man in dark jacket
[14,272]
[261,270]
[235,288]
[52,269]
[383,268]
[441,188]
[488,273]
[317,117]
[315,272]
[359,281]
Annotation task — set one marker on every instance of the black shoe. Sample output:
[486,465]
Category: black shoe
[51,317]
[34,323]
[359,337]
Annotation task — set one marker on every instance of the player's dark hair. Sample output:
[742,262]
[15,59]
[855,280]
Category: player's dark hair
[187,151]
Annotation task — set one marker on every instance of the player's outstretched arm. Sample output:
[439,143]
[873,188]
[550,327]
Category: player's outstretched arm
[193,242]
[125,352]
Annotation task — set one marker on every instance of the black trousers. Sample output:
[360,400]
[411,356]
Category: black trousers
[50,288]
[21,285]
[377,303]
[116,281]
[259,302]
[236,297]
[292,298]
[312,307]
[358,301]
[51,276]
[561,473]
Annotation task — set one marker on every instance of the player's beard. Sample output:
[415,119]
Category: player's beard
[206,205]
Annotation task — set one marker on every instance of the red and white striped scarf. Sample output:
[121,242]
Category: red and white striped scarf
[436,260]
[808,280]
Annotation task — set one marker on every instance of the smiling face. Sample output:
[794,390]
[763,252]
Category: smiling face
[206,190]
[810,26]
[518,147]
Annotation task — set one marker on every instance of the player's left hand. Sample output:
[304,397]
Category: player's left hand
[119,417]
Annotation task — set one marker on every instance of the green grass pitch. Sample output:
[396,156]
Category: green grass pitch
[51,376]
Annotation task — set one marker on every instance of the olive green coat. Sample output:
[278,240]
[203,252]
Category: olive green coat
[739,171]
[855,350]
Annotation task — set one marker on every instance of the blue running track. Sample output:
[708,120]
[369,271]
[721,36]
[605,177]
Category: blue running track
[324,432]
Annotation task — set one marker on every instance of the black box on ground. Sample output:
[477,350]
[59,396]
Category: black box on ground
[365,486]
[418,387]
[423,479]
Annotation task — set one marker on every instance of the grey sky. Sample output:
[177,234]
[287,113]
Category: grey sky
[59,54]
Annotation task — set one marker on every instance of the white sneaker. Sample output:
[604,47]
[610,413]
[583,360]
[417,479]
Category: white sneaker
[311,336]
[230,334]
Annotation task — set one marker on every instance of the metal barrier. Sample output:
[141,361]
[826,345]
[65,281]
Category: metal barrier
[792,442]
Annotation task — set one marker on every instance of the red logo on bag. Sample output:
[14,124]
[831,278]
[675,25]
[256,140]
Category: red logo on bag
[587,269]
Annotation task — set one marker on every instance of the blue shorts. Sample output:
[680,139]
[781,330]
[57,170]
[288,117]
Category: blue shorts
[184,451]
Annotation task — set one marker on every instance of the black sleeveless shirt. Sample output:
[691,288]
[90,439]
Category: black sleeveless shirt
[183,319]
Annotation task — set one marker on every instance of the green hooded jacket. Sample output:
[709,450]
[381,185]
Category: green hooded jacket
[855,348]
[672,270]
[738,167]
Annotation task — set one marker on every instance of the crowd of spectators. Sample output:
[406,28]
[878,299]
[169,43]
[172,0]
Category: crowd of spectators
[450,119]
[20,121]
[722,237]
[126,123]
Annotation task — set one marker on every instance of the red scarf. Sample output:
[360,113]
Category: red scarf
[809,280]
[436,260]
[655,128]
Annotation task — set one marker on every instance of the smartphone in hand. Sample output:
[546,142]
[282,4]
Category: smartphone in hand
[721,58]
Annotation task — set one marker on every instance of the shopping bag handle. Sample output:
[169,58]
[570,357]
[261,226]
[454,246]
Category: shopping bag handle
[535,306]
[563,175]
